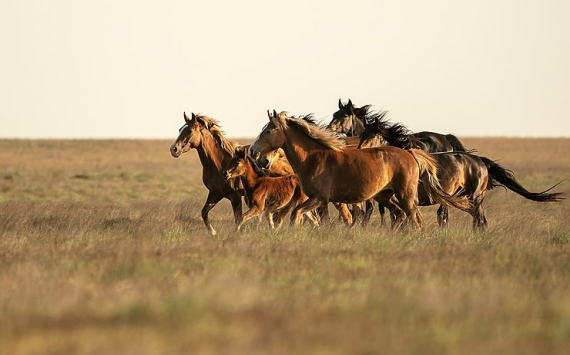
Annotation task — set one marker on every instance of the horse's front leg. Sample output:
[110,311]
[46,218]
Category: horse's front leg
[253,212]
[211,201]
[310,204]
[235,199]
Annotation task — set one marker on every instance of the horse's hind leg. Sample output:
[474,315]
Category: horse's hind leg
[407,201]
[323,214]
[357,213]
[479,220]
[282,213]
[442,216]
[382,212]
[211,201]
[368,212]
[343,212]
[270,219]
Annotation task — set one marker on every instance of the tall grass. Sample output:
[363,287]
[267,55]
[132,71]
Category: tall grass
[96,262]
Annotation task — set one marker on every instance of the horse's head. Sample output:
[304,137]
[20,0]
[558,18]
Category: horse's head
[373,135]
[344,120]
[237,164]
[272,136]
[189,135]
[266,161]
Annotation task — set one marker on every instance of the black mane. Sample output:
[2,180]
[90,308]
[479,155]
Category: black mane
[396,134]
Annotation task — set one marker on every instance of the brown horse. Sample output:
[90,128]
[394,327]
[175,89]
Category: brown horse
[270,161]
[330,173]
[215,151]
[459,172]
[272,195]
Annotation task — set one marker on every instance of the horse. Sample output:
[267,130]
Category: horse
[350,143]
[461,173]
[275,196]
[348,119]
[329,173]
[215,151]
[352,121]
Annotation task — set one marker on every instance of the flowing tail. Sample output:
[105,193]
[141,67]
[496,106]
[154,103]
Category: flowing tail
[428,178]
[455,143]
[499,176]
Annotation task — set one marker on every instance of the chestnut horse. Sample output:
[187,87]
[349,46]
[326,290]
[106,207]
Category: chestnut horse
[328,173]
[267,162]
[272,195]
[215,151]
[459,172]
[352,121]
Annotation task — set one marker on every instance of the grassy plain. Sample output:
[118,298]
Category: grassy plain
[102,251]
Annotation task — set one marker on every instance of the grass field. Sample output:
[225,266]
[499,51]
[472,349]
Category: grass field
[103,251]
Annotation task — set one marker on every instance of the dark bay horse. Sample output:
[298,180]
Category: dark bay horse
[328,173]
[348,119]
[275,196]
[352,121]
[459,172]
[215,151]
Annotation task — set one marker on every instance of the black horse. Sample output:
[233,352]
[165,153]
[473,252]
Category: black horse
[352,121]
[461,173]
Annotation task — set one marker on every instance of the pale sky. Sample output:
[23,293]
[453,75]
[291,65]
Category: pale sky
[129,69]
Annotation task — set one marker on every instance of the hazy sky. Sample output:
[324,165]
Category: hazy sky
[77,69]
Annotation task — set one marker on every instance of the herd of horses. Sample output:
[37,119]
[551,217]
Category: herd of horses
[359,159]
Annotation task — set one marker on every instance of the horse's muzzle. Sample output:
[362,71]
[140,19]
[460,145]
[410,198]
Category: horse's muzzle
[174,151]
[264,163]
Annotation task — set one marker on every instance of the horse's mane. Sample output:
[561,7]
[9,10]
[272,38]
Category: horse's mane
[395,134]
[368,116]
[215,129]
[309,118]
[308,125]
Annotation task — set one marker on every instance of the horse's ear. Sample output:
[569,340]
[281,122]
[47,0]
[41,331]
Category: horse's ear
[269,115]
[186,118]
[349,103]
[240,151]
[340,105]
[273,118]
[201,121]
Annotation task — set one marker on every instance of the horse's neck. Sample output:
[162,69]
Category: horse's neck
[298,147]
[212,156]
[250,178]
[357,126]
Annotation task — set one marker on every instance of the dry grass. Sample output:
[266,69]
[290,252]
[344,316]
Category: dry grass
[102,250]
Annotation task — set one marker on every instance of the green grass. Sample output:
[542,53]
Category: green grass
[114,264]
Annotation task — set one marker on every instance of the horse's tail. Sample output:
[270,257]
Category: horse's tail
[499,176]
[455,143]
[428,179]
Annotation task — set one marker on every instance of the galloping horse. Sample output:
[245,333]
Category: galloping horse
[215,151]
[348,119]
[459,172]
[352,121]
[268,160]
[330,173]
[275,196]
